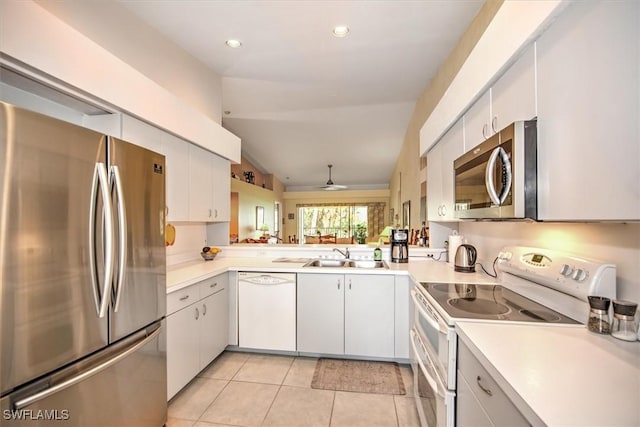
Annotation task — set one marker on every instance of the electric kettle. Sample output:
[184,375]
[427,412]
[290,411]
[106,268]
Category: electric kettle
[465,260]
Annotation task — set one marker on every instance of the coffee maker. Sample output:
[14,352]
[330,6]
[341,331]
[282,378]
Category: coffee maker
[399,240]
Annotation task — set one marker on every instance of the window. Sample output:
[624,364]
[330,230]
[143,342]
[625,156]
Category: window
[343,222]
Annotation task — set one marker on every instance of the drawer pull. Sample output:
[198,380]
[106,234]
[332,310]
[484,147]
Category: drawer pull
[213,285]
[486,390]
[184,298]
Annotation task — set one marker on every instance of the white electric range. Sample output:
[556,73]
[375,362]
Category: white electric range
[534,286]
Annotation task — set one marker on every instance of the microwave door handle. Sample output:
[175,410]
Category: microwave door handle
[504,157]
[488,177]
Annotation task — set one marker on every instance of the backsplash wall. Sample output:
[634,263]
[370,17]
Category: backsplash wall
[618,244]
[190,239]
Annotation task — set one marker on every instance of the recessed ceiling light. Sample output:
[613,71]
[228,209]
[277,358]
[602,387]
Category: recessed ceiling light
[233,43]
[340,30]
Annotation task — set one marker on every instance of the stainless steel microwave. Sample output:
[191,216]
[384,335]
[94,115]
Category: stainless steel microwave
[498,178]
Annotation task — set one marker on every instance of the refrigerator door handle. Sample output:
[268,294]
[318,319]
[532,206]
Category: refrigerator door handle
[139,343]
[122,235]
[101,183]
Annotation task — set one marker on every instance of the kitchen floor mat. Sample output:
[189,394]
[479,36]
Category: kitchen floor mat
[358,376]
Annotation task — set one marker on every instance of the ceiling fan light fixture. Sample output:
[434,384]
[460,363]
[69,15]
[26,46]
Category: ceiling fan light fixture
[330,186]
[340,30]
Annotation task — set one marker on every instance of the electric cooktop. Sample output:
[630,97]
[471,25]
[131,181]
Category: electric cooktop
[490,302]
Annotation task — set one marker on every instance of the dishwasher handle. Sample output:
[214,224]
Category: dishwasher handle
[267,279]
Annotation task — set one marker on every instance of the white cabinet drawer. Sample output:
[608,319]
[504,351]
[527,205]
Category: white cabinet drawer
[180,299]
[490,396]
[213,284]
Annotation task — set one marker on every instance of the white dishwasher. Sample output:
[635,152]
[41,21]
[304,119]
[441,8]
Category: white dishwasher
[267,311]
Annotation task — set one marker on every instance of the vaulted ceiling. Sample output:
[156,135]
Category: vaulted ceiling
[301,98]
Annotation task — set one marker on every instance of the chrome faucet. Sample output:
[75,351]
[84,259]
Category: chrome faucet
[345,254]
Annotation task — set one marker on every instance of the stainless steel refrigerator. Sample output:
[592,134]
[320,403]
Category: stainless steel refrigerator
[82,277]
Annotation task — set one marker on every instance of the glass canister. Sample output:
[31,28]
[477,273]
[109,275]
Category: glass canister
[624,320]
[599,320]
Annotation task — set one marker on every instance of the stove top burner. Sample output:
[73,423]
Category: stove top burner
[490,302]
[479,306]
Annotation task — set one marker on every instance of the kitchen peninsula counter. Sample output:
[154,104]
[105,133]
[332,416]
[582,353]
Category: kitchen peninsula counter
[560,375]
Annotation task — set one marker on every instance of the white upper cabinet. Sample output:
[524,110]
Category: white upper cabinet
[209,186]
[176,153]
[220,179]
[588,114]
[477,121]
[200,185]
[513,96]
[440,174]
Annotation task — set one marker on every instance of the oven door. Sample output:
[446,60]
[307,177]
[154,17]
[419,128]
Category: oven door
[440,340]
[435,404]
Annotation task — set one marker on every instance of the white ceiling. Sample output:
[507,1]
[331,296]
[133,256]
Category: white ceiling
[301,98]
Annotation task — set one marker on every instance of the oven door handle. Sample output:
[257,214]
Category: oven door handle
[430,319]
[432,381]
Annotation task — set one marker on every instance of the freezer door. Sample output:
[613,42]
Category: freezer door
[138,181]
[48,306]
[123,385]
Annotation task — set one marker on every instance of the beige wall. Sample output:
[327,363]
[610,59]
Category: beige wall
[145,49]
[249,197]
[291,199]
[405,181]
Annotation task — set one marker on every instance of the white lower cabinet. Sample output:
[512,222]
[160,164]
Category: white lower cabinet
[197,328]
[346,314]
[480,400]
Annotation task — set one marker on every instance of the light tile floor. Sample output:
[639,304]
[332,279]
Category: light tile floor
[247,389]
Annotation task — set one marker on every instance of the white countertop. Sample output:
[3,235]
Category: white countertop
[422,270]
[561,376]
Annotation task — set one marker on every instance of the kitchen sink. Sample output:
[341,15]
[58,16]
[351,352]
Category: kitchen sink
[346,263]
[368,264]
[327,263]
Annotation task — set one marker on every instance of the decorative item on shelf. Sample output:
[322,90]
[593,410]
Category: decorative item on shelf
[265,231]
[250,177]
[169,235]
[209,253]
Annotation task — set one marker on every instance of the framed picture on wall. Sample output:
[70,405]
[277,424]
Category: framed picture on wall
[406,214]
[259,217]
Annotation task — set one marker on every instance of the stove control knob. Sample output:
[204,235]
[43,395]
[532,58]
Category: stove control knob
[579,275]
[566,270]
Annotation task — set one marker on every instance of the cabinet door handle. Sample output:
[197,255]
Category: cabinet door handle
[204,309]
[197,316]
[184,298]
[209,213]
[338,284]
[349,283]
[494,124]
[485,131]
[444,210]
[483,388]
[216,212]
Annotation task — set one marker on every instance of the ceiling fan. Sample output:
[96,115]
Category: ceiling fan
[330,186]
